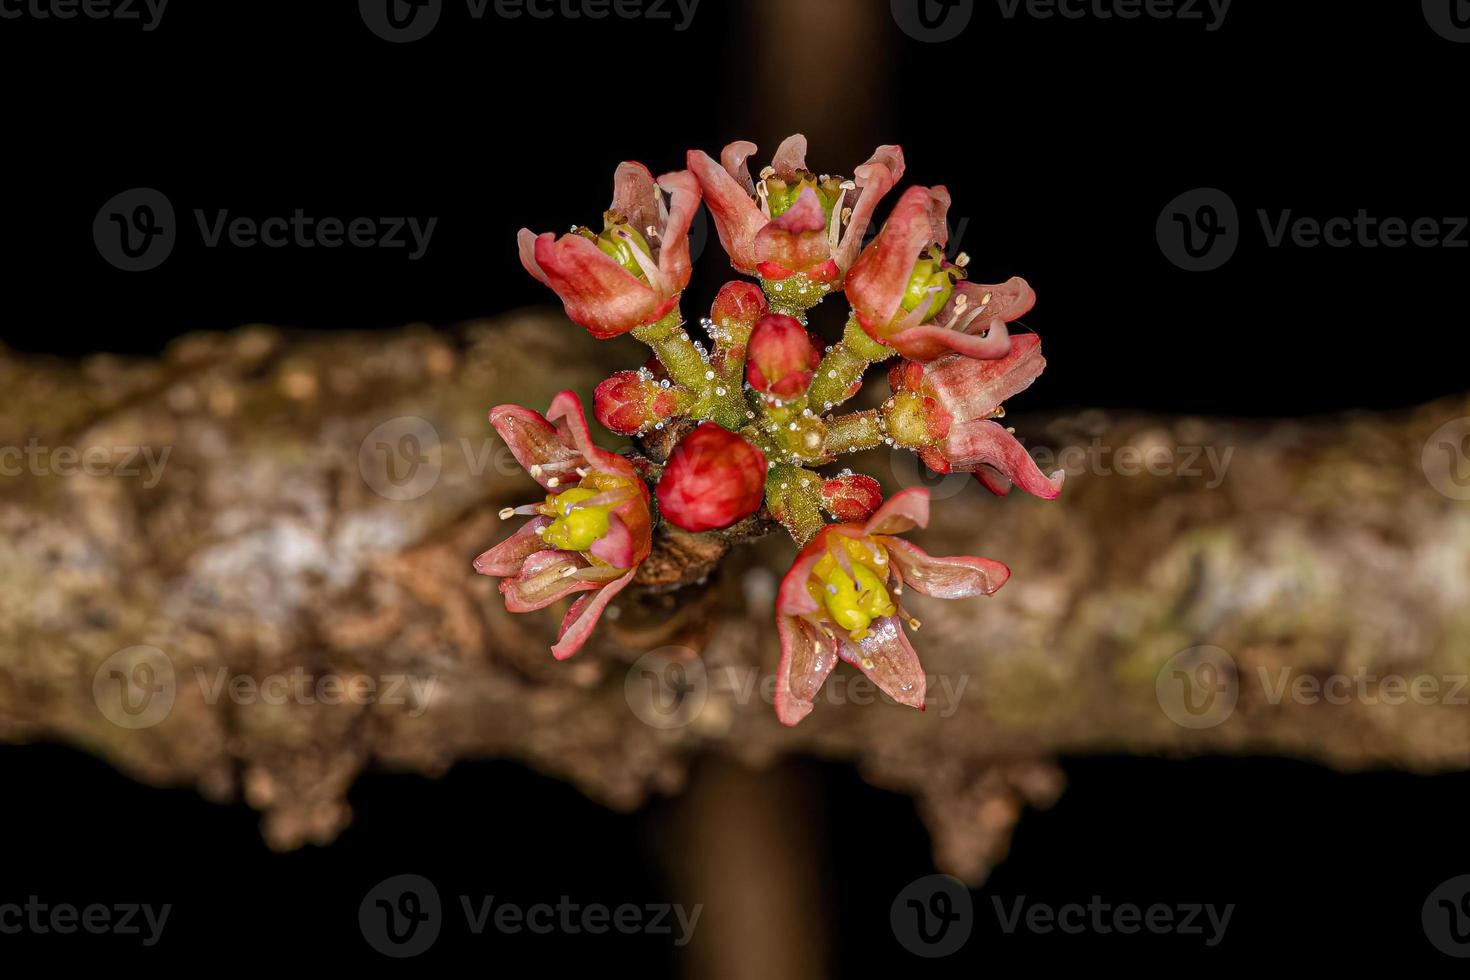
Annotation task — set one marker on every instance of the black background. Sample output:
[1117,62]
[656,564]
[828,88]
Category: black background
[1061,142]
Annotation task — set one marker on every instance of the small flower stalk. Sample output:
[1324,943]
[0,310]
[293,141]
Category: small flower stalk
[737,428]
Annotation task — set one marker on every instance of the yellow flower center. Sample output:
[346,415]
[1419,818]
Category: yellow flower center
[853,592]
[577,525]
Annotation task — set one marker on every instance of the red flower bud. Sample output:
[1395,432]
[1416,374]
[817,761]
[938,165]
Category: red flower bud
[629,402]
[851,497]
[782,356]
[738,305]
[713,479]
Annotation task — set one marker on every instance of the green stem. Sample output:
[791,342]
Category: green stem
[841,371]
[794,496]
[850,433]
[716,398]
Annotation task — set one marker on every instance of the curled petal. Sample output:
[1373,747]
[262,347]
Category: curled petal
[985,443]
[879,277]
[929,341]
[506,558]
[566,410]
[888,659]
[958,577]
[596,291]
[736,216]
[873,180]
[790,156]
[972,389]
[635,195]
[536,444]
[673,255]
[939,214]
[991,479]
[577,625]
[793,599]
[1006,301]
[902,512]
[526,244]
[735,158]
[808,654]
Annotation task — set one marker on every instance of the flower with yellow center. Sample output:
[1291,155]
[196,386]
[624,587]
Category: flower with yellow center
[849,581]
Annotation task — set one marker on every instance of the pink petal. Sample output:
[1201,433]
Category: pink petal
[535,442]
[790,156]
[577,625]
[957,577]
[524,594]
[985,443]
[873,179]
[792,598]
[993,480]
[797,240]
[635,196]
[972,389]
[1009,300]
[616,547]
[737,218]
[596,291]
[891,662]
[928,342]
[902,512]
[939,214]
[506,558]
[877,280]
[566,410]
[735,158]
[526,244]
[807,657]
[673,255]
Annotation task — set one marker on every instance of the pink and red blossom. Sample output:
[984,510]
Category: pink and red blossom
[713,479]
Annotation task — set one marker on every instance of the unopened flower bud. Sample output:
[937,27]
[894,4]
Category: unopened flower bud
[737,306]
[713,479]
[851,497]
[629,402]
[782,356]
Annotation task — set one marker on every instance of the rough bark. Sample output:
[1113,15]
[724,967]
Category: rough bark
[264,548]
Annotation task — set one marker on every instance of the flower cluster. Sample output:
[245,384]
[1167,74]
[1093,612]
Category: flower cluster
[756,412]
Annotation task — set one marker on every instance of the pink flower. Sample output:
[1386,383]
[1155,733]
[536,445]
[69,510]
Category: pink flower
[838,602]
[781,357]
[791,223]
[633,271]
[590,533]
[908,296]
[971,393]
[713,479]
